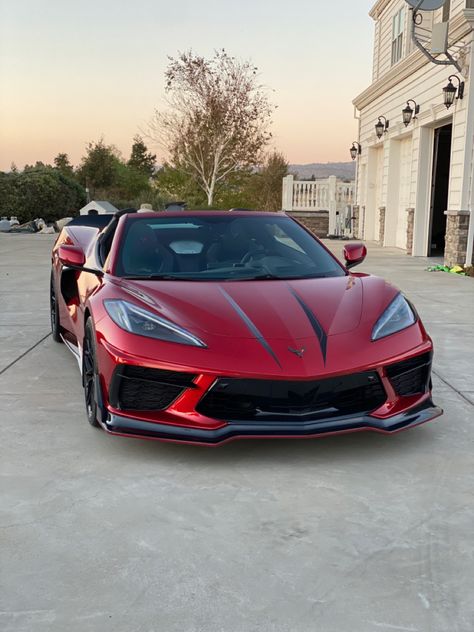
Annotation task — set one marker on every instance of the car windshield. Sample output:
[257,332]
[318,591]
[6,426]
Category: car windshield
[222,247]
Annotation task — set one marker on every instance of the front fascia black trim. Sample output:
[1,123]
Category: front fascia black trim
[118,424]
[315,324]
[120,374]
[250,325]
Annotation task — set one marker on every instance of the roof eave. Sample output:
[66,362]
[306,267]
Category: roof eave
[377,9]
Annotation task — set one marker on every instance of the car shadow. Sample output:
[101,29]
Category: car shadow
[358,446]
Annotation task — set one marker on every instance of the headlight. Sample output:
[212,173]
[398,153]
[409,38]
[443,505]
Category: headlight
[398,315]
[144,323]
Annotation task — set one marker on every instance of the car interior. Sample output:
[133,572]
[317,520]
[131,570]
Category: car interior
[221,249]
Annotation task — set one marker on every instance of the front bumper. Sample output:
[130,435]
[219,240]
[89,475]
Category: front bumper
[128,426]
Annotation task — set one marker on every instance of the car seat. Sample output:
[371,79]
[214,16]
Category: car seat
[232,246]
[143,254]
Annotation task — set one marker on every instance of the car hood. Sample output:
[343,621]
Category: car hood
[278,310]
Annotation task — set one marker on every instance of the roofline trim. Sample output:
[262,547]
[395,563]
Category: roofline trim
[378,8]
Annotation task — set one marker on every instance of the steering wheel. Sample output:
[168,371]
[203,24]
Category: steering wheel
[256,254]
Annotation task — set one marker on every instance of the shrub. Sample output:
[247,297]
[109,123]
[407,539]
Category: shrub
[40,192]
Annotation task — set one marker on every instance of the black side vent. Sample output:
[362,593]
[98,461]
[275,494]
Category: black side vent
[141,388]
[412,376]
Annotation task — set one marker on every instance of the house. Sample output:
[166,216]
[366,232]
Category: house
[415,170]
[98,208]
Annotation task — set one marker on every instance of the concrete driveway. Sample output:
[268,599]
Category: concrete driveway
[360,533]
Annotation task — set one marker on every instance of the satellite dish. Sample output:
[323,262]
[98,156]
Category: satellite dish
[426,5]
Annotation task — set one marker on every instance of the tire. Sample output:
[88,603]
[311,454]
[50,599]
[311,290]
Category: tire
[54,312]
[89,374]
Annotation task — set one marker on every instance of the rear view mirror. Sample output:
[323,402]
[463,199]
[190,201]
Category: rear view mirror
[71,256]
[354,254]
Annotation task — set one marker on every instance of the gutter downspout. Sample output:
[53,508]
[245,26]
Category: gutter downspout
[450,61]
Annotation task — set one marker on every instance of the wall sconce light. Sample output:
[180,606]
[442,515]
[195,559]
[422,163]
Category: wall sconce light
[450,91]
[409,113]
[355,150]
[381,127]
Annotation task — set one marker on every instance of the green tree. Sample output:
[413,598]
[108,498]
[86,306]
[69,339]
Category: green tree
[129,186]
[175,185]
[40,192]
[141,159]
[39,164]
[7,192]
[259,189]
[99,167]
[62,164]
[131,181]
[239,191]
[269,182]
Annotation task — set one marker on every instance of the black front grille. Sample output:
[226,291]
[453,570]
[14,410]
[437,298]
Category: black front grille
[412,376]
[141,388]
[279,400]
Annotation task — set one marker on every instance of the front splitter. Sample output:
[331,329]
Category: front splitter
[128,426]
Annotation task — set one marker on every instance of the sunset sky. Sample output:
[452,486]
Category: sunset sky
[71,72]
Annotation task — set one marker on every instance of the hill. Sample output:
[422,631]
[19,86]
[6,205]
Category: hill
[344,170]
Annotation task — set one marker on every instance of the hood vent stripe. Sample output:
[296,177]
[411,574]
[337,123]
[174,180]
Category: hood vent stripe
[250,325]
[315,324]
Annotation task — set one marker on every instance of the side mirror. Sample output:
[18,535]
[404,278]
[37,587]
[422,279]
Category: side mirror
[71,256]
[74,257]
[354,254]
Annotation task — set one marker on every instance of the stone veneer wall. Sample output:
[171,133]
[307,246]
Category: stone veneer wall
[457,228]
[316,221]
[410,226]
[381,225]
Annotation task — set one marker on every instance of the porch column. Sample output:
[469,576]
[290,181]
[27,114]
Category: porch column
[457,230]
[287,193]
[355,221]
[382,212]
[410,225]
[332,182]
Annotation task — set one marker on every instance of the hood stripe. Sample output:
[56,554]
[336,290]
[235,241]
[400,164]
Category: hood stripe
[250,325]
[315,324]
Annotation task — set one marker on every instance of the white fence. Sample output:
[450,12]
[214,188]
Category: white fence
[330,195]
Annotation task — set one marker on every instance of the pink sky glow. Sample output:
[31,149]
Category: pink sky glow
[73,72]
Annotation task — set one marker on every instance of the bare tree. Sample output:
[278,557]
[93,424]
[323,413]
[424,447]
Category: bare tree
[218,118]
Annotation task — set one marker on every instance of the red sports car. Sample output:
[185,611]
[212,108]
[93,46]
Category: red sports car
[204,327]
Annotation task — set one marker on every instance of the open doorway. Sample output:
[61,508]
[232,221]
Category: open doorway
[439,190]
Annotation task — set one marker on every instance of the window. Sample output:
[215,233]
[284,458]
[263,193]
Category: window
[222,247]
[397,36]
[280,235]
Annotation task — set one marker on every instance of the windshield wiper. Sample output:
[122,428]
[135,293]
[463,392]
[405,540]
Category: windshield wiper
[271,277]
[155,277]
[260,277]
[265,276]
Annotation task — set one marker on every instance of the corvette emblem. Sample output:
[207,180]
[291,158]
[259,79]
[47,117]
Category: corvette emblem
[299,352]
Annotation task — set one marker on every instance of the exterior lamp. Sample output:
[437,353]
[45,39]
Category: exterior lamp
[381,127]
[355,150]
[450,91]
[410,113]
